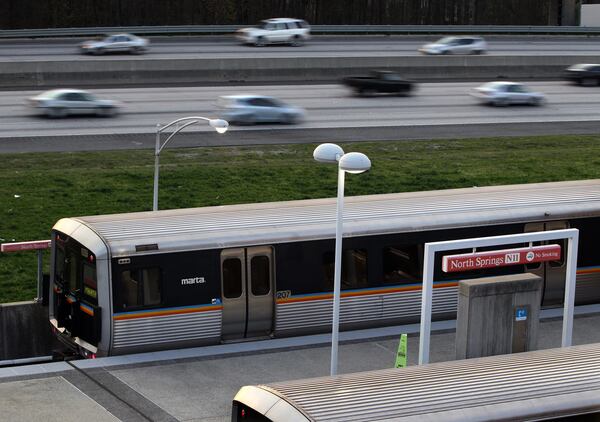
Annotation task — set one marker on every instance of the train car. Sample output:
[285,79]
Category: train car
[542,385]
[137,282]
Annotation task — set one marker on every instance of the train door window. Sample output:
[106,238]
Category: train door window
[261,274]
[534,227]
[402,264]
[354,269]
[563,246]
[140,287]
[534,265]
[232,278]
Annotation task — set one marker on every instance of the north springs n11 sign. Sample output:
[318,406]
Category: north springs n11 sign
[501,258]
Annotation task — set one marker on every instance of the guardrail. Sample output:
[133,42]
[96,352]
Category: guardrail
[316,29]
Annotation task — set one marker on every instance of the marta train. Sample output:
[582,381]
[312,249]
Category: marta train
[145,281]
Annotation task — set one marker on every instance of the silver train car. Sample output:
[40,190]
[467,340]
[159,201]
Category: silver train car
[533,386]
[146,281]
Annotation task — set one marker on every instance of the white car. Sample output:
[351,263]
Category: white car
[116,43]
[64,102]
[456,45]
[251,109]
[276,30]
[506,93]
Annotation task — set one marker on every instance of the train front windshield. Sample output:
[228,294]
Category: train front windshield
[75,294]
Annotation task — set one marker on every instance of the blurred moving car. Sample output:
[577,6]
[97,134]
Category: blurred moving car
[276,30]
[506,93]
[64,102]
[456,45]
[583,74]
[116,43]
[379,81]
[250,109]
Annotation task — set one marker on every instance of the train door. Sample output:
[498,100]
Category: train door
[247,292]
[552,272]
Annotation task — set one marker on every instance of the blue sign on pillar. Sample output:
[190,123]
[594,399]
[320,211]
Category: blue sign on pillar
[521,314]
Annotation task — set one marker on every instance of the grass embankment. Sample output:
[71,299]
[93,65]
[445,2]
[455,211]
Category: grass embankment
[38,189]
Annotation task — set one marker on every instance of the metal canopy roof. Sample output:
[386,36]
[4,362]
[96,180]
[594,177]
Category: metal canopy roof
[276,222]
[521,386]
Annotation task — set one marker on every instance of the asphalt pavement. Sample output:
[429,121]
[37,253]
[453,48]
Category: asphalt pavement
[436,111]
[182,47]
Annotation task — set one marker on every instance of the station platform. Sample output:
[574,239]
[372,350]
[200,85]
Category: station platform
[199,384]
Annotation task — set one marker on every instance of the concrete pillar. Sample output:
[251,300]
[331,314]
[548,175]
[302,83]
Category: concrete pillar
[498,315]
[569,15]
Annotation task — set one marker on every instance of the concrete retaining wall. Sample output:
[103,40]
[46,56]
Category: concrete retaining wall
[25,331]
[106,71]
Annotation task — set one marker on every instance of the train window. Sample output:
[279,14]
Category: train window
[140,287]
[90,289]
[59,268]
[151,286]
[129,290]
[232,278]
[354,269]
[71,262]
[401,265]
[261,275]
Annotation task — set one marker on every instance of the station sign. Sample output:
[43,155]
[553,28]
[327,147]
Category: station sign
[25,246]
[501,258]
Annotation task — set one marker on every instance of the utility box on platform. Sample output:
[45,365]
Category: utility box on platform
[498,315]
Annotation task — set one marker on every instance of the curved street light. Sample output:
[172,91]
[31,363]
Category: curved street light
[352,162]
[218,124]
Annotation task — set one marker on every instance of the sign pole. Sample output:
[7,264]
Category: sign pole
[516,256]
[40,277]
[567,331]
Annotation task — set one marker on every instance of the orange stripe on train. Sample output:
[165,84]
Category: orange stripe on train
[364,293]
[158,312]
[589,271]
[87,310]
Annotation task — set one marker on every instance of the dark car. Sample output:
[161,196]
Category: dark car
[379,82]
[583,74]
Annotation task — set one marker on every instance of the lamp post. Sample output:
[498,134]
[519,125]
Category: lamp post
[353,162]
[218,124]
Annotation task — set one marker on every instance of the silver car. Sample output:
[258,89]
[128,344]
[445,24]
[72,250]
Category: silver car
[118,43]
[456,45]
[251,109]
[64,102]
[507,93]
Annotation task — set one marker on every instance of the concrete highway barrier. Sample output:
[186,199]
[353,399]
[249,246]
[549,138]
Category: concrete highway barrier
[144,70]
[24,331]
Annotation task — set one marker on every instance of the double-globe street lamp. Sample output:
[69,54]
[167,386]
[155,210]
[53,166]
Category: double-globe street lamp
[218,124]
[352,162]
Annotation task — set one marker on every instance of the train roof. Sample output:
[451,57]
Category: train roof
[523,386]
[280,222]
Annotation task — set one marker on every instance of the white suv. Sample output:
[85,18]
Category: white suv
[277,30]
